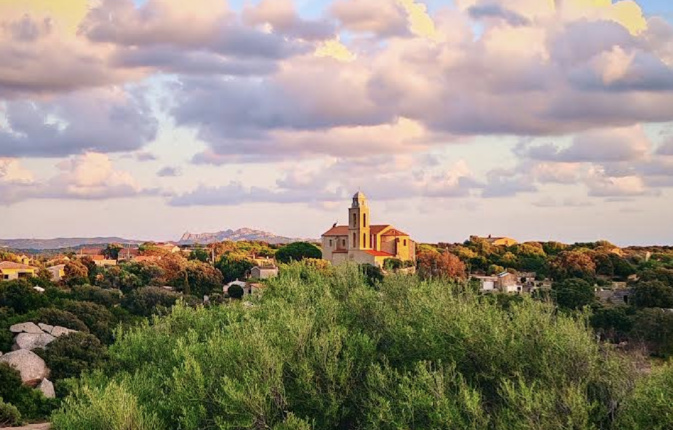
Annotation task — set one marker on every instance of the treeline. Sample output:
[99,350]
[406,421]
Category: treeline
[329,349]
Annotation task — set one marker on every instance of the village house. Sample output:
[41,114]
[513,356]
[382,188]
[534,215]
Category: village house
[10,271]
[364,243]
[101,261]
[497,241]
[128,254]
[504,282]
[263,272]
[57,272]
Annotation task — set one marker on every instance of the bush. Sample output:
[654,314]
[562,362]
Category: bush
[9,415]
[573,293]
[70,355]
[29,402]
[330,352]
[20,296]
[107,298]
[149,301]
[297,251]
[650,406]
[97,318]
[235,292]
[58,317]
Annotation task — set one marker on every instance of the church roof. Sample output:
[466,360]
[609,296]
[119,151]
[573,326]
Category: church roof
[339,230]
[395,232]
[376,229]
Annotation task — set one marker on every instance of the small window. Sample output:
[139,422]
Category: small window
[354,240]
[355,220]
[364,239]
[330,243]
[405,242]
[343,243]
[364,220]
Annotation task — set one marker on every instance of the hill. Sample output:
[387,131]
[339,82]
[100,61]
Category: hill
[61,242]
[241,234]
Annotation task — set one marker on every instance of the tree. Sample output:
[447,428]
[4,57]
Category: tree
[69,355]
[234,266]
[20,296]
[200,278]
[76,273]
[200,254]
[58,317]
[653,294]
[235,291]
[111,251]
[92,269]
[373,274]
[148,301]
[297,251]
[435,264]
[100,321]
[573,264]
[573,293]
[655,327]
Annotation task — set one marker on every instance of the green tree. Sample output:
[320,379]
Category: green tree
[654,326]
[70,355]
[653,294]
[573,293]
[20,296]
[111,251]
[234,266]
[76,273]
[148,301]
[235,291]
[200,254]
[200,279]
[297,251]
[573,264]
[100,321]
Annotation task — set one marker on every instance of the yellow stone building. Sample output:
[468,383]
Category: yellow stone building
[364,243]
[10,271]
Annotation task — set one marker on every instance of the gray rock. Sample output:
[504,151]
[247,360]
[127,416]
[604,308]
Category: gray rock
[27,327]
[32,341]
[59,331]
[47,388]
[32,368]
[46,327]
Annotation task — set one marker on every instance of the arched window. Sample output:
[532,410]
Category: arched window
[364,220]
[364,239]
[354,240]
[355,220]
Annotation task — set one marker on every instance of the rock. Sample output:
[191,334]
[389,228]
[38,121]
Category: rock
[46,327]
[27,327]
[59,331]
[32,368]
[32,341]
[47,388]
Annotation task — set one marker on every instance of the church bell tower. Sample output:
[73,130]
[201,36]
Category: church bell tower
[358,223]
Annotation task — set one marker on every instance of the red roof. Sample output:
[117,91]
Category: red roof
[379,253]
[340,230]
[376,229]
[395,232]
[9,265]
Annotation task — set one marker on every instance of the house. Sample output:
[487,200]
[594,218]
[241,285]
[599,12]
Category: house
[128,254]
[101,261]
[168,246]
[24,259]
[486,283]
[10,271]
[505,282]
[364,243]
[90,252]
[57,272]
[263,272]
[497,241]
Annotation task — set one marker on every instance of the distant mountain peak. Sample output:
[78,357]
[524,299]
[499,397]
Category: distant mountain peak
[241,234]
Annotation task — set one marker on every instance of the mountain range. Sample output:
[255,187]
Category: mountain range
[241,234]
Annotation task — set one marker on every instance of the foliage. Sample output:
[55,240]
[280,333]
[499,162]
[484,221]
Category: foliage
[235,291]
[200,254]
[20,296]
[111,251]
[30,403]
[573,293]
[99,320]
[654,326]
[234,266]
[373,274]
[329,352]
[148,301]
[653,294]
[199,279]
[87,293]
[9,414]
[297,251]
[436,265]
[573,264]
[70,355]
[58,317]
[76,273]
[650,406]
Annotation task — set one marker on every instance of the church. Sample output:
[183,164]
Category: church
[363,243]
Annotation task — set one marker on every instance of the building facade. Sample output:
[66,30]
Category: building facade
[365,243]
[10,271]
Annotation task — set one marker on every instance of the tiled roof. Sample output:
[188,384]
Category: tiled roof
[9,265]
[376,229]
[340,230]
[395,232]
[379,253]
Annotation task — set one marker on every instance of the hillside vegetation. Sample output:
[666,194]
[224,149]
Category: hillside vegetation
[329,350]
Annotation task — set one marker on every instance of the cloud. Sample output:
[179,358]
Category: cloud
[666,148]
[282,18]
[495,11]
[103,120]
[169,172]
[606,145]
[507,183]
[381,18]
[602,185]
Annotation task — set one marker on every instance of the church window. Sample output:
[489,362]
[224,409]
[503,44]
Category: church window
[364,239]
[330,243]
[405,242]
[364,220]
[354,240]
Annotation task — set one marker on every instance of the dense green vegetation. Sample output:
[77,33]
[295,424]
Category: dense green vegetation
[329,350]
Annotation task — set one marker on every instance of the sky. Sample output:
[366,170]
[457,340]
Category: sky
[534,119]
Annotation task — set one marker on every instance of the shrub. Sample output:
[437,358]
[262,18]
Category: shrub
[97,318]
[70,355]
[20,296]
[107,298]
[58,317]
[573,293]
[335,353]
[9,415]
[149,301]
[297,251]
[235,291]
[650,406]
[29,402]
